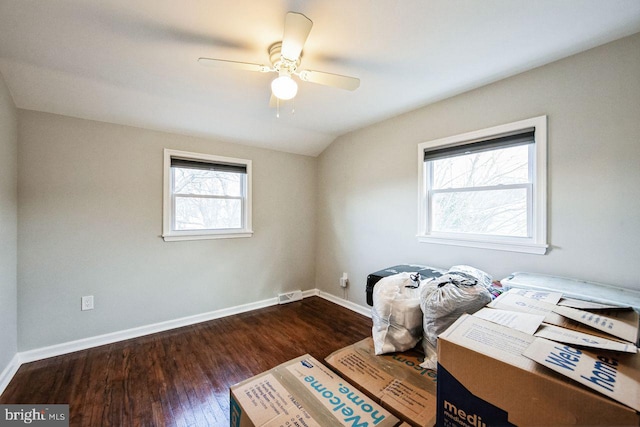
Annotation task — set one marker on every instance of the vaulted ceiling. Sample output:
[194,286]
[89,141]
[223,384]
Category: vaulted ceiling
[135,62]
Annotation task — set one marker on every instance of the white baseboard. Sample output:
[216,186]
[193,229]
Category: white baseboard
[8,372]
[310,293]
[345,303]
[85,343]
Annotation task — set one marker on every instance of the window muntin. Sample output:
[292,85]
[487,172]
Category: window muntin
[206,196]
[486,188]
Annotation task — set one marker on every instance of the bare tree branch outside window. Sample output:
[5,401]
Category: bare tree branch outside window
[482,193]
[207,199]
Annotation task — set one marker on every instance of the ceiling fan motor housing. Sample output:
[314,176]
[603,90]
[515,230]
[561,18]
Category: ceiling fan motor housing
[279,62]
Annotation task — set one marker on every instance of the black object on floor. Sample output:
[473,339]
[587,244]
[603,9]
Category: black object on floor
[425,272]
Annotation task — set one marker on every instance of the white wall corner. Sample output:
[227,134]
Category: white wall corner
[310,293]
[9,371]
[365,311]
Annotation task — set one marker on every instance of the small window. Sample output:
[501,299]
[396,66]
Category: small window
[486,189]
[205,196]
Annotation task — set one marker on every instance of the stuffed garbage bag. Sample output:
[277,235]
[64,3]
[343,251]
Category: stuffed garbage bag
[463,289]
[396,313]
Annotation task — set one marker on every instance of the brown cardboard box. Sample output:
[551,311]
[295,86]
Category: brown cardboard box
[305,393]
[396,381]
[621,324]
[484,379]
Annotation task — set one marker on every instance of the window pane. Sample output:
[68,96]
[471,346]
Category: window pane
[205,182]
[495,167]
[495,212]
[193,213]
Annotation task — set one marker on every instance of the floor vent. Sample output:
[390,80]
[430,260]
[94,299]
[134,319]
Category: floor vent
[289,297]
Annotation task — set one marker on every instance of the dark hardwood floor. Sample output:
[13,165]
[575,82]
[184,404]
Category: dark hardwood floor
[182,377]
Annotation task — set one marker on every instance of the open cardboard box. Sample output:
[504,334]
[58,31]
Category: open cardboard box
[396,381]
[614,324]
[303,392]
[484,378]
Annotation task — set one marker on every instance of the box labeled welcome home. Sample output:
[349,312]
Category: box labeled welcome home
[484,379]
[303,392]
[396,380]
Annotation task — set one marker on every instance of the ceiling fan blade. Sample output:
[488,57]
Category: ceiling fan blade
[296,30]
[328,79]
[222,63]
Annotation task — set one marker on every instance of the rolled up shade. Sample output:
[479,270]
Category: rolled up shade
[520,138]
[213,166]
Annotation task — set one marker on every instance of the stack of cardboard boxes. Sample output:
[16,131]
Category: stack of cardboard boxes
[528,358]
[532,359]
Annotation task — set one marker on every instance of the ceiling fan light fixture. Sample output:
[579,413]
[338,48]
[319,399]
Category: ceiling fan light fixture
[284,57]
[284,87]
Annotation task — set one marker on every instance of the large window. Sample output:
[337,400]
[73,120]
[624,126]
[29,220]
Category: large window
[486,189]
[206,197]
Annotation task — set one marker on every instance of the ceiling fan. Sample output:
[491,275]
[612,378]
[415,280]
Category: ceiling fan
[285,60]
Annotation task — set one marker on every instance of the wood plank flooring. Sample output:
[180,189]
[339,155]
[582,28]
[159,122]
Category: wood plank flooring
[182,377]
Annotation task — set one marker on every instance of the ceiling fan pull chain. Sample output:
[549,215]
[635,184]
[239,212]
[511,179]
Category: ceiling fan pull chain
[277,108]
[293,106]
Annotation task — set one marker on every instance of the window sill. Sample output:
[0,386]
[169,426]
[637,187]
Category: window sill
[529,248]
[232,234]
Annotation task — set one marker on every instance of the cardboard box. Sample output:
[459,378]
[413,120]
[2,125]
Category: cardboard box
[484,379]
[532,324]
[396,381]
[622,324]
[303,392]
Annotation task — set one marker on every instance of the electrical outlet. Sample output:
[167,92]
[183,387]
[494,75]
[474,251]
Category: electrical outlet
[344,280]
[87,303]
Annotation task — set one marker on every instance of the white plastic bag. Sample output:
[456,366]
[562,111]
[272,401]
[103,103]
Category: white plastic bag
[463,289]
[397,318]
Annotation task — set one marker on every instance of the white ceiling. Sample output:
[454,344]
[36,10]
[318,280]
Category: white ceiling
[134,62]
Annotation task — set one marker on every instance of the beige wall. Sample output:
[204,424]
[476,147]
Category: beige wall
[90,209]
[8,225]
[367,180]
[90,205]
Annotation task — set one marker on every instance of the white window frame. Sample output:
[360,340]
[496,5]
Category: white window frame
[536,243]
[168,211]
